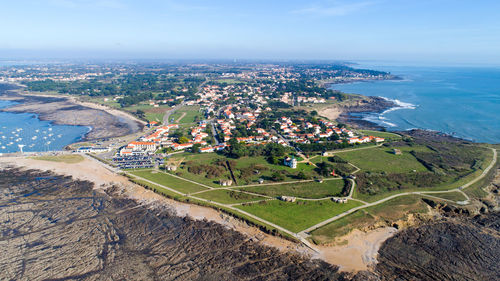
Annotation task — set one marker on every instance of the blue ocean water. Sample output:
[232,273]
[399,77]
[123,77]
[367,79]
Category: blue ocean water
[36,135]
[462,101]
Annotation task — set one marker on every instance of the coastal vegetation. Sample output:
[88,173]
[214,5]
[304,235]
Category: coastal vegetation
[64,158]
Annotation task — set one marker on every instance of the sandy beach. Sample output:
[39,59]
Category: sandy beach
[104,121]
[358,254]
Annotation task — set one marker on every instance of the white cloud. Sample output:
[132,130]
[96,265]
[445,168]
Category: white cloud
[333,8]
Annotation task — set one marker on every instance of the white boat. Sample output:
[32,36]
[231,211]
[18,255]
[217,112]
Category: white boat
[34,138]
[50,129]
[36,131]
[3,147]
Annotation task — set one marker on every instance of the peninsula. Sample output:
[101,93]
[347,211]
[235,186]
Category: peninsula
[265,147]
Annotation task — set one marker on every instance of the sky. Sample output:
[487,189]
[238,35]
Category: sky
[400,30]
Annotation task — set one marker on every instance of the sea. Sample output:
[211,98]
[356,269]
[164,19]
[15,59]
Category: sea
[457,100]
[26,131]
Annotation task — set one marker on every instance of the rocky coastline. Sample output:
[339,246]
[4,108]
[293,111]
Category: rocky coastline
[55,227]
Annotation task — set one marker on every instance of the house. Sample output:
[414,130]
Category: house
[290,162]
[171,168]
[261,180]
[142,145]
[397,151]
[288,198]
[339,200]
[225,182]
[207,149]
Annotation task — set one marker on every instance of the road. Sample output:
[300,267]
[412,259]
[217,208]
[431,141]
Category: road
[325,222]
[284,230]
[166,117]
[302,235]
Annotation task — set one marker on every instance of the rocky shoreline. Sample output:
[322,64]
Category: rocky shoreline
[68,111]
[55,227]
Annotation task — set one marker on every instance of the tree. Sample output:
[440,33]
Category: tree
[314,113]
[140,113]
[301,175]
[196,148]
[183,140]
[277,176]
[324,169]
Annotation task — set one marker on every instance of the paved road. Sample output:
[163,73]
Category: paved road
[166,117]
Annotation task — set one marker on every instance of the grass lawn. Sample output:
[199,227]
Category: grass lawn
[381,159]
[228,196]
[454,196]
[228,81]
[168,181]
[240,164]
[154,116]
[385,135]
[342,226]
[66,158]
[299,215]
[197,158]
[158,189]
[390,211]
[191,112]
[304,190]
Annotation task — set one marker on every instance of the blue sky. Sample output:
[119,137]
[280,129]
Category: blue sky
[431,31]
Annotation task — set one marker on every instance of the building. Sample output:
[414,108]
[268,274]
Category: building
[171,168]
[290,162]
[226,182]
[90,149]
[142,145]
[288,198]
[397,151]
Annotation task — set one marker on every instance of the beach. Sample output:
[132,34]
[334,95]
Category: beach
[345,111]
[103,122]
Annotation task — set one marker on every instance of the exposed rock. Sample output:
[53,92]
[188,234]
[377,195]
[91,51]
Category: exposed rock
[453,249]
[56,228]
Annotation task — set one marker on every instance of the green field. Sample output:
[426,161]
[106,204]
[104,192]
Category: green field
[303,190]
[299,215]
[453,196]
[189,115]
[381,159]
[247,170]
[154,116]
[228,81]
[385,135]
[225,196]
[168,181]
[65,158]
[387,212]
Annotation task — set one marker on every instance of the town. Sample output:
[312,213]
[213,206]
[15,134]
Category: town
[258,141]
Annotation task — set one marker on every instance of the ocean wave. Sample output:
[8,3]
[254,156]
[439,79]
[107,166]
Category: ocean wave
[399,105]
[378,119]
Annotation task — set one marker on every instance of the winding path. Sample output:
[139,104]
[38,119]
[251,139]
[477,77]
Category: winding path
[302,235]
